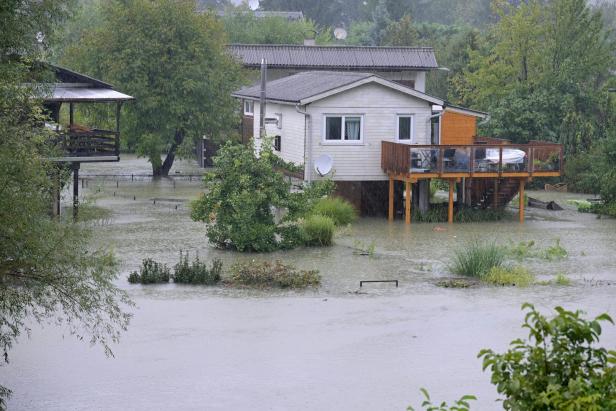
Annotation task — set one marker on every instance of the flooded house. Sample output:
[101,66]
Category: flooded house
[383,140]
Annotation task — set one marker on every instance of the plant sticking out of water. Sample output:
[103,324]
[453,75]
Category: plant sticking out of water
[455,283]
[339,210]
[361,248]
[509,276]
[477,259]
[319,230]
[151,272]
[463,404]
[197,271]
[555,252]
[562,279]
[266,275]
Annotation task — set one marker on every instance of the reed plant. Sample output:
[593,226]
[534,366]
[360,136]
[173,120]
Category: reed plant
[477,259]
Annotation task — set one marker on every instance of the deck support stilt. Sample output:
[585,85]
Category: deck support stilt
[390,213]
[495,198]
[452,183]
[407,202]
[521,194]
[75,190]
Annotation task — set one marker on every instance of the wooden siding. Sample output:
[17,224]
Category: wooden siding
[458,128]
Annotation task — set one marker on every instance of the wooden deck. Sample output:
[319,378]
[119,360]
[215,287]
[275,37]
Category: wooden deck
[494,160]
[87,146]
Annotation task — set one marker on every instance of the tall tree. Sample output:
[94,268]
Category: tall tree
[48,271]
[174,62]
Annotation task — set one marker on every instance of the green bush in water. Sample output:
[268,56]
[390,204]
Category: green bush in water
[291,234]
[555,252]
[197,271]
[462,404]
[509,276]
[476,260]
[336,208]
[151,272]
[265,274]
[319,230]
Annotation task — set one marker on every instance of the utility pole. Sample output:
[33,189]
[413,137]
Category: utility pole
[262,99]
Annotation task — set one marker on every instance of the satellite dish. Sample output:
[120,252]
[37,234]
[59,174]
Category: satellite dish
[340,33]
[323,164]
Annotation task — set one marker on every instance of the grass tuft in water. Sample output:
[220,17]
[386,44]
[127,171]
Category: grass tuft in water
[562,279]
[509,276]
[555,252]
[477,259]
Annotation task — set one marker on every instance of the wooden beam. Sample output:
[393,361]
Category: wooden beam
[452,182]
[521,194]
[390,213]
[495,198]
[407,202]
[71,114]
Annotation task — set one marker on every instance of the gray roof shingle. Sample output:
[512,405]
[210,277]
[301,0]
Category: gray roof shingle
[335,57]
[303,85]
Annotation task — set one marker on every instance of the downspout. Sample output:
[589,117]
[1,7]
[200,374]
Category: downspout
[437,115]
[307,143]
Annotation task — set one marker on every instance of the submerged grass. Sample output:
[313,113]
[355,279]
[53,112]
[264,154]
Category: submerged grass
[477,260]
[509,276]
[267,275]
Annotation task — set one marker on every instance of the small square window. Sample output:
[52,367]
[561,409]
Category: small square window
[249,107]
[277,143]
[333,128]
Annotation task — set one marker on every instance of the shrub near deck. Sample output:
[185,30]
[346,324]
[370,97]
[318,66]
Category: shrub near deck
[266,274]
[477,260]
[339,210]
[319,230]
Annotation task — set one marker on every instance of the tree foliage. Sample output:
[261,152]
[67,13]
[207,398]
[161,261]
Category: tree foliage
[241,194]
[174,62]
[48,271]
[558,367]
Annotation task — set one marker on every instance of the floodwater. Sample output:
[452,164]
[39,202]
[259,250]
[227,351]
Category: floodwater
[340,347]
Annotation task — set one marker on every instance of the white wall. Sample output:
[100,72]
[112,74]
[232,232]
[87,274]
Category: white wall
[379,106]
[291,133]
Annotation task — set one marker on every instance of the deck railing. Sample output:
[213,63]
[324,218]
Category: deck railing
[91,143]
[536,158]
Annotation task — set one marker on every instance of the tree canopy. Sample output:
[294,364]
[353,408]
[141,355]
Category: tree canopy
[173,61]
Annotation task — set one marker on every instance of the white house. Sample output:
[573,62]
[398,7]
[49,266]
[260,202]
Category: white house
[346,115]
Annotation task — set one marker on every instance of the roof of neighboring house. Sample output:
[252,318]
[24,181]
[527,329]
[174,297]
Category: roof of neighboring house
[72,86]
[306,87]
[335,57]
[289,15]
[309,86]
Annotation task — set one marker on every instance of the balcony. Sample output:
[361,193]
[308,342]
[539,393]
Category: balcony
[80,144]
[537,159]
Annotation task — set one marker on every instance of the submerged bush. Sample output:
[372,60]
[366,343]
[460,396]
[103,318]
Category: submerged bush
[291,234]
[277,274]
[197,271]
[555,252]
[151,272]
[338,209]
[438,213]
[477,259]
[319,230]
[509,276]
[462,404]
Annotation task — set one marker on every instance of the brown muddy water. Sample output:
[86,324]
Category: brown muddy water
[336,348]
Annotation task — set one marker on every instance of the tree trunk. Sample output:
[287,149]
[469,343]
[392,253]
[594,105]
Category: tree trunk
[163,170]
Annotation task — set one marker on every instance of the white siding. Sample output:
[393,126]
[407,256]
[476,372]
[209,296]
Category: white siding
[379,106]
[291,133]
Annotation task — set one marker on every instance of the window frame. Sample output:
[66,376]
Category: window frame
[342,141]
[252,105]
[277,143]
[411,140]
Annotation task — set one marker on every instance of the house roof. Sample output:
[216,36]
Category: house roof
[309,86]
[335,57]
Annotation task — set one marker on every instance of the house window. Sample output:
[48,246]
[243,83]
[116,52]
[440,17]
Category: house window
[405,128]
[277,142]
[249,107]
[343,128]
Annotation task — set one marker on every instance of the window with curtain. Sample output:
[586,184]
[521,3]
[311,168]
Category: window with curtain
[405,128]
[343,128]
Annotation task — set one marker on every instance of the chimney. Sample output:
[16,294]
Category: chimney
[309,42]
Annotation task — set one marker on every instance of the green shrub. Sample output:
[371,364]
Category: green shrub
[521,250]
[338,209]
[319,230]
[558,367]
[477,259]
[291,234]
[509,276]
[460,405]
[196,272]
[555,252]
[438,213]
[265,274]
[562,279]
[151,272]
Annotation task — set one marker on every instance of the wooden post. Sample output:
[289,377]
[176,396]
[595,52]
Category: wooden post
[450,210]
[117,136]
[75,190]
[71,114]
[521,194]
[407,202]
[495,198]
[390,214]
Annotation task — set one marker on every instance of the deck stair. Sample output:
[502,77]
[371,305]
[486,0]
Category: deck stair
[494,192]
